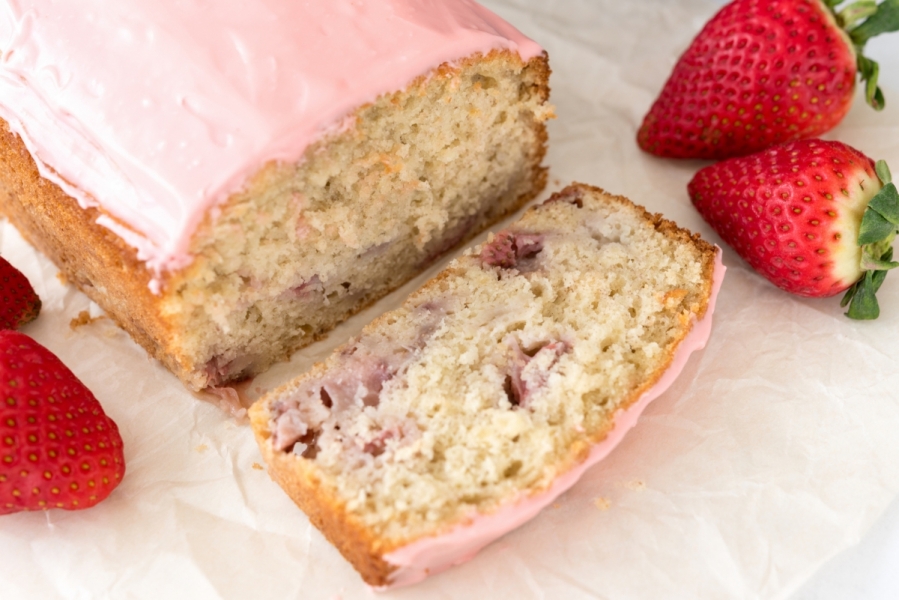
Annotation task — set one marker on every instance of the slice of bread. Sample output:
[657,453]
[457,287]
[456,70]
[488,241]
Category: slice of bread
[459,415]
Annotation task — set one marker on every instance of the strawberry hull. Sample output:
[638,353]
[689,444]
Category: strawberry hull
[792,212]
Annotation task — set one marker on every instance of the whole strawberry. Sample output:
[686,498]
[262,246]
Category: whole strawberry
[763,72]
[18,302]
[814,217]
[58,449]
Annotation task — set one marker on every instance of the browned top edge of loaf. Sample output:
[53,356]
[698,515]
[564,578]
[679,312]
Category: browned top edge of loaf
[104,267]
[351,537]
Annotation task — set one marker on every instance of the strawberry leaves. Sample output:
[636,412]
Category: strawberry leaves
[881,218]
[861,297]
[882,20]
[878,18]
[879,227]
[869,73]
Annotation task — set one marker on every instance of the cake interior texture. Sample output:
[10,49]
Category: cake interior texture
[305,245]
[492,380]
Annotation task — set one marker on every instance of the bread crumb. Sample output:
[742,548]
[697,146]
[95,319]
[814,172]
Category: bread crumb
[84,318]
[257,466]
[635,485]
[673,298]
[602,503]
[61,277]
[202,448]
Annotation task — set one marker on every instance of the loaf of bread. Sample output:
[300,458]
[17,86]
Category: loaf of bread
[460,415]
[229,180]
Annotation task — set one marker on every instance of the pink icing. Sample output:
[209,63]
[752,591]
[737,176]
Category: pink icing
[428,556]
[158,110]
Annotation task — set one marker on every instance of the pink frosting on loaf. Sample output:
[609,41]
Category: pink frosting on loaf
[158,110]
[428,556]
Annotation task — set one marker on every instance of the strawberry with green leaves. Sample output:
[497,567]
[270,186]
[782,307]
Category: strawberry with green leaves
[58,449]
[763,72]
[815,217]
[19,304]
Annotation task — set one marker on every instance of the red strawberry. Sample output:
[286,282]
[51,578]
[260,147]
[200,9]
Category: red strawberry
[814,217]
[18,302]
[58,449]
[763,72]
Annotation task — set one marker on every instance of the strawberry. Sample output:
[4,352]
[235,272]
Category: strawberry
[58,449]
[764,72]
[18,302]
[815,217]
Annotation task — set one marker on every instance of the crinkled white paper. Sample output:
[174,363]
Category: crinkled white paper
[774,451]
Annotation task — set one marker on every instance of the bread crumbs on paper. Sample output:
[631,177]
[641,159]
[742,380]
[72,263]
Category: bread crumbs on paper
[84,318]
[202,448]
[258,467]
[636,485]
[602,503]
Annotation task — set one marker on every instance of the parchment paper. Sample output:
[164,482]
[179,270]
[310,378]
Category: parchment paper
[774,451]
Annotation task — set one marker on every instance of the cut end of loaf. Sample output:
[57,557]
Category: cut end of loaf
[307,245]
[490,382]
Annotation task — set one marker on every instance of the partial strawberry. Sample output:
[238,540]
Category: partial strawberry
[58,449]
[18,302]
[814,217]
[764,72]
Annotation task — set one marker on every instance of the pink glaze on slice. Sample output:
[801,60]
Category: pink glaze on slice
[428,556]
[158,110]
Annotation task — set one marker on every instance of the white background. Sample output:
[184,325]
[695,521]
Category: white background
[769,470]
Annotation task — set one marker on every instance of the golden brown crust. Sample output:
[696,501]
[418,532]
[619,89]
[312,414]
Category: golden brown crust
[107,270]
[90,256]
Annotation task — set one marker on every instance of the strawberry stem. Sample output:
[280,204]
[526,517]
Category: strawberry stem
[879,226]
[852,14]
